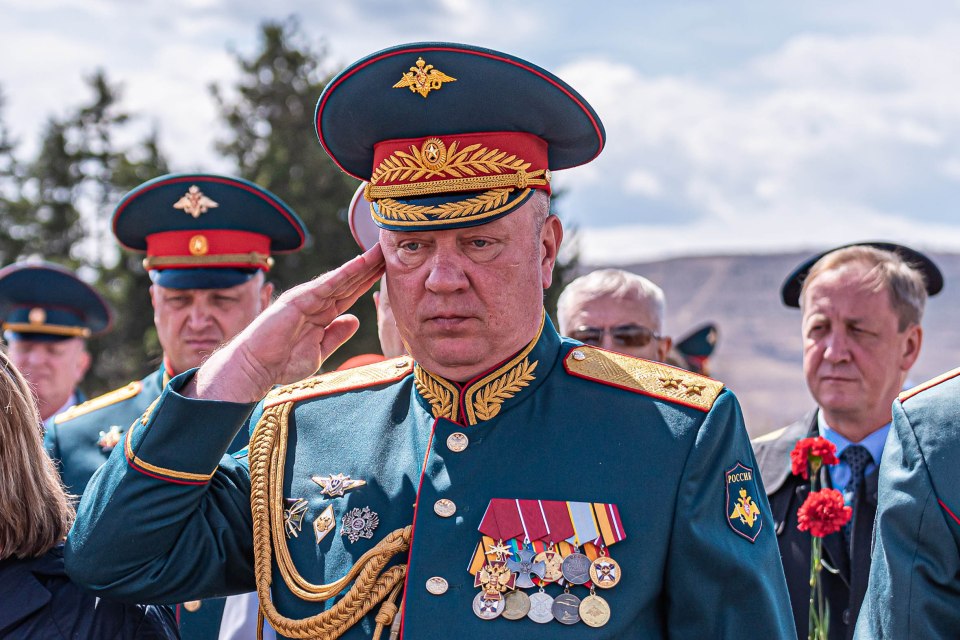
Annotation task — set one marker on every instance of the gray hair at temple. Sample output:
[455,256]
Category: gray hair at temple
[615,283]
[906,285]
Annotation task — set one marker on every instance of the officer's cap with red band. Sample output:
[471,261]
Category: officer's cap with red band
[203,231]
[450,135]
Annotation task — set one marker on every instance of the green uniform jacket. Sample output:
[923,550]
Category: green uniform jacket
[171,520]
[914,589]
[80,441]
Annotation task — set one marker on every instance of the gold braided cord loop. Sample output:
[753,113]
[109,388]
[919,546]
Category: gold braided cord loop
[47,329]
[252,258]
[371,583]
[518,180]
[485,205]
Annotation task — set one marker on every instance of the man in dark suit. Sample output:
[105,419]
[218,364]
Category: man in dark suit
[862,306]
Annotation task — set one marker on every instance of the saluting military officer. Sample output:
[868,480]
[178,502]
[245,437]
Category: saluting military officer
[208,241]
[509,482]
[48,314]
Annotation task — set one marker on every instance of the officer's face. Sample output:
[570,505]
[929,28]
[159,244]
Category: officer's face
[467,299]
[191,323]
[608,313]
[54,369]
[854,357]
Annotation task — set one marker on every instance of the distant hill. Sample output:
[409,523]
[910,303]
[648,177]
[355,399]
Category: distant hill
[758,353]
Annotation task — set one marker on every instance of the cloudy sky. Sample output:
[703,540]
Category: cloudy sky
[732,126]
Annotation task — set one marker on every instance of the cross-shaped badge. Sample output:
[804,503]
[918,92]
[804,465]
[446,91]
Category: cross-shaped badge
[525,566]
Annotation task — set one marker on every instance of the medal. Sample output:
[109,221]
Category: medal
[517,605]
[541,607]
[605,572]
[551,565]
[576,568]
[566,608]
[487,608]
[594,610]
[525,567]
[495,578]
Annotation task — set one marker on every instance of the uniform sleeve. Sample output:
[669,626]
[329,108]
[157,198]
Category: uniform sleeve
[51,442]
[167,517]
[720,584]
[915,561]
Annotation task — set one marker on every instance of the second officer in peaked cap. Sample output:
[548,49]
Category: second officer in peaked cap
[208,243]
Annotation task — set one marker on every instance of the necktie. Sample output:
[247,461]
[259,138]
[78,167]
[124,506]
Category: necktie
[857,458]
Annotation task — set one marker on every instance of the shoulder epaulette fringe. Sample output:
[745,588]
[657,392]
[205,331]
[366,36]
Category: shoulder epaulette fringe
[923,386]
[107,399]
[340,381]
[642,376]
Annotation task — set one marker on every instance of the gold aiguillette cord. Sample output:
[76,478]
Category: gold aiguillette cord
[371,583]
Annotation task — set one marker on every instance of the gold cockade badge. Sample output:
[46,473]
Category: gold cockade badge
[423,78]
[194,202]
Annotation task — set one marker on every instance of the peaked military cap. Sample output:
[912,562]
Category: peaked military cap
[46,302]
[932,277]
[700,342]
[451,135]
[203,231]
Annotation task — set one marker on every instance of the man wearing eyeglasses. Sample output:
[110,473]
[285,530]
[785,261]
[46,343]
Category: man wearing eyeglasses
[615,310]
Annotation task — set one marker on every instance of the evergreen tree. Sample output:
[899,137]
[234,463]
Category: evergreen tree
[269,114]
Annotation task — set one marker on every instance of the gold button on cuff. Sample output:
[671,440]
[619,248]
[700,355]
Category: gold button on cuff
[437,586]
[457,441]
[444,508]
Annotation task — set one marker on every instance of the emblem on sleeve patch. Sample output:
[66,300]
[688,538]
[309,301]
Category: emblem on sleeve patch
[743,514]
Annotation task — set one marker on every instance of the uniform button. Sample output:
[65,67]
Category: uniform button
[457,441]
[192,605]
[437,586]
[444,508]
[578,355]
[846,616]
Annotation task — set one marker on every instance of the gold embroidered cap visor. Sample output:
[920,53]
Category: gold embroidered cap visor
[450,135]
[44,302]
[203,231]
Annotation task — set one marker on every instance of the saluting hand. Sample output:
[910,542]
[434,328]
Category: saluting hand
[291,338]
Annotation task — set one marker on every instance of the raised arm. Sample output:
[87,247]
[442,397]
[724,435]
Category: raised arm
[167,518]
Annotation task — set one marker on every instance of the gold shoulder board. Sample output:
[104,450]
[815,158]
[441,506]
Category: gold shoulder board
[107,399]
[338,381]
[642,376]
[929,384]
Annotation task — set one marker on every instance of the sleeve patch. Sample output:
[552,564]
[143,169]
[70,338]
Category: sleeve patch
[742,512]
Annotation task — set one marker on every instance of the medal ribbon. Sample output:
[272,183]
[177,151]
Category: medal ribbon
[584,523]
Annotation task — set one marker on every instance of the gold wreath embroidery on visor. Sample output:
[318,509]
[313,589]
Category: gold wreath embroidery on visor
[194,202]
[423,78]
[434,160]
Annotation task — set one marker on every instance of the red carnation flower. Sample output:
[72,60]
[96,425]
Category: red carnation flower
[812,452]
[823,513]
